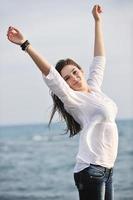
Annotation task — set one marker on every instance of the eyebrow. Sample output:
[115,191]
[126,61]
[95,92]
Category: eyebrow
[69,73]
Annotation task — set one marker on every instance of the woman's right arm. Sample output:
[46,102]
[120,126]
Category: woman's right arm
[51,76]
[16,37]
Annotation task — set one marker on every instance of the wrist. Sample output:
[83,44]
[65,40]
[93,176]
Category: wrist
[97,20]
[25,45]
[22,41]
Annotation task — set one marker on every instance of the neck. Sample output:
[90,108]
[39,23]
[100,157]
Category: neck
[87,89]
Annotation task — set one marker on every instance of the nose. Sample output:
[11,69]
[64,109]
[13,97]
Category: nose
[73,77]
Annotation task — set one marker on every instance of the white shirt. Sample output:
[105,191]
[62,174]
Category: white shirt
[95,112]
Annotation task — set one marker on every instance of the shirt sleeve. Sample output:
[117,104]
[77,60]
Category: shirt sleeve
[59,87]
[96,72]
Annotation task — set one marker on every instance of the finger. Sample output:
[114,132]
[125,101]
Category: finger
[94,8]
[13,29]
[13,32]
[99,9]
[16,29]
[10,28]
[10,36]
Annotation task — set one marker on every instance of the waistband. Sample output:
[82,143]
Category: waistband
[105,169]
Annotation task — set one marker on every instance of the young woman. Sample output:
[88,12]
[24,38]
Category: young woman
[86,110]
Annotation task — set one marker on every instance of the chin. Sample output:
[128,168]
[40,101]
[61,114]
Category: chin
[77,88]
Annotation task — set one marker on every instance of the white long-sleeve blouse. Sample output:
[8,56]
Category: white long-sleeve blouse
[95,112]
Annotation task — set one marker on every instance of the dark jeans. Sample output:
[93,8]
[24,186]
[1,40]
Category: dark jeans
[94,183]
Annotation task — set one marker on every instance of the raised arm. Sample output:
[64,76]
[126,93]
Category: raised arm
[51,76]
[97,67]
[16,37]
[99,49]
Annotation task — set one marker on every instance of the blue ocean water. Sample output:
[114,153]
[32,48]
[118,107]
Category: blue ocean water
[37,163]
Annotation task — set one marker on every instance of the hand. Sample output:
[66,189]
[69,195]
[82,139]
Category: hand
[15,36]
[96,11]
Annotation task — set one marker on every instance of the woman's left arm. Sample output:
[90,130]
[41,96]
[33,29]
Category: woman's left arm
[98,65]
[99,49]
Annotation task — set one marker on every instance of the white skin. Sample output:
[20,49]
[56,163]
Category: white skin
[75,80]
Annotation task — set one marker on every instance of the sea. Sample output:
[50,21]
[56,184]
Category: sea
[36,163]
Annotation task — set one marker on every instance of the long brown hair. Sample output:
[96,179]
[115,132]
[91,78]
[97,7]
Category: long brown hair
[72,126]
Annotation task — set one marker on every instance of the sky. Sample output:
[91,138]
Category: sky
[61,29]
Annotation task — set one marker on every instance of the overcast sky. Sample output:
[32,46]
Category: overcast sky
[60,29]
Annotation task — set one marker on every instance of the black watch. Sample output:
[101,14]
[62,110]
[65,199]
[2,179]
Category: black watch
[25,45]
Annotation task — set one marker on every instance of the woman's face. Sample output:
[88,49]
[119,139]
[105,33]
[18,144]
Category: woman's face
[74,77]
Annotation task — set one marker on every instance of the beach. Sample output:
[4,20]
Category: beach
[37,163]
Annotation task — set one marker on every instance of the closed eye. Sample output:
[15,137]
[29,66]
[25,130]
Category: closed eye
[75,72]
[66,78]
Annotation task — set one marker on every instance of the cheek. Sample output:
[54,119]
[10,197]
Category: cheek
[69,82]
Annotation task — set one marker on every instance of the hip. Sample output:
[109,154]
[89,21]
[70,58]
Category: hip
[93,174]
